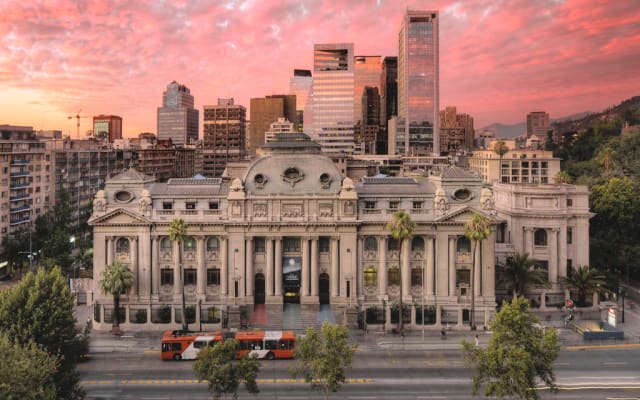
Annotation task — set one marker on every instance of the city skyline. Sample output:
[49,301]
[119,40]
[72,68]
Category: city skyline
[497,62]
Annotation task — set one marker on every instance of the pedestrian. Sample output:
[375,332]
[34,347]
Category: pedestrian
[443,333]
[477,341]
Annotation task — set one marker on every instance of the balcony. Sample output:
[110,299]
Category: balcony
[21,220]
[19,173]
[18,185]
[19,197]
[20,162]
[21,208]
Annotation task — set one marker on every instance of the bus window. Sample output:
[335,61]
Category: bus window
[256,344]
[166,347]
[271,345]
[284,344]
[176,347]
[244,345]
[198,344]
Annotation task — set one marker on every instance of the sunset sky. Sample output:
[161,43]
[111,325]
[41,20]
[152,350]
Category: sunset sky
[498,59]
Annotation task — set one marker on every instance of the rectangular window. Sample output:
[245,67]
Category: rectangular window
[167,205]
[166,276]
[569,266]
[369,205]
[258,245]
[213,276]
[323,245]
[394,204]
[191,205]
[569,235]
[393,276]
[291,245]
[417,205]
[190,276]
[569,202]
[416,277]
[213,205]
[463,277]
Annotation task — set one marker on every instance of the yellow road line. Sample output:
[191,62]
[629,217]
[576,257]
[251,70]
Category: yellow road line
[195,381]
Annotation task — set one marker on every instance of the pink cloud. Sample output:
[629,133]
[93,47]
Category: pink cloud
[499,60]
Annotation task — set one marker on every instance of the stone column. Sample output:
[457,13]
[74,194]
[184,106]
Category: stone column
[278,267]
[304,273]
[269,271]
[477,285]
[452,265]
[314,266]
[109,249]
[528,241]
[359,266]
[562,253]
[553,255]
[224,268]
[249,262]
[382,266]
[133,242]
[177,271]
[155,265]
[334,267]
[202,271]
[430,266]
[405,248]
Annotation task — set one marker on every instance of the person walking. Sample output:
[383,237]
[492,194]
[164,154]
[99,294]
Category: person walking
[477,341]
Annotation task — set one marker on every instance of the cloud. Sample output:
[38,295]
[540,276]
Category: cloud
[499,60]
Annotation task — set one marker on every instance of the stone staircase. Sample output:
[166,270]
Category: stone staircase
[296,317]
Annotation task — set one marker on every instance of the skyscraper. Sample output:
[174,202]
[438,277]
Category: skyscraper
[333,103]
[224,136]
[266,110]
[107,127]
[456,131]
[418,82]
[177,118]
[300,85]
[538,123]
[388,100]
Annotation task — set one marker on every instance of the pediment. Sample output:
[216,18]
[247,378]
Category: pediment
[120,216]
[462,216]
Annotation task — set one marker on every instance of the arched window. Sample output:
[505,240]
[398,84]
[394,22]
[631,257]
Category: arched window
[393,276]
[189,244]
[166,244]
[371,244]
[417,244]
[370,277]
[540,237]
[464,245]
[213,244]
[122,245]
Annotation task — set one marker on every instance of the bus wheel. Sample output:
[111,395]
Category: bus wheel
[177,357]
[271,356]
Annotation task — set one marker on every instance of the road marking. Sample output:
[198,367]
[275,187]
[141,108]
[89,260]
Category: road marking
[195,381]
[151,351]
[614,363]
[604,347]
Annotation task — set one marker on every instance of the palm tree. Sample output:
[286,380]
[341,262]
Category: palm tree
[519,273]
[500,148]
[562,177]
[401,229]
[178,233]
[116,279]
[476,230]
[584,279]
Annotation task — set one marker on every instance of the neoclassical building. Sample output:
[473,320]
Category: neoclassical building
[294,242]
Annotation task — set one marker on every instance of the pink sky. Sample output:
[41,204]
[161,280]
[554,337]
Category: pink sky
[498,59]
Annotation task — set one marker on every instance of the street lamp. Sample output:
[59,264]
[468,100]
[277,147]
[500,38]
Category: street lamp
[622,293]
[30,253]
[236,278]
[349,276]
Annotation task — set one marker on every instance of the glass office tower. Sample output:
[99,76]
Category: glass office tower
[333,103]
[177,118]
[418,82]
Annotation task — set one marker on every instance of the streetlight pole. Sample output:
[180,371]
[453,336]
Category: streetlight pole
[235,277]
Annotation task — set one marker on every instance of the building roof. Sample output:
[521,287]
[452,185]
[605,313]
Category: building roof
[455,172]
[392,186]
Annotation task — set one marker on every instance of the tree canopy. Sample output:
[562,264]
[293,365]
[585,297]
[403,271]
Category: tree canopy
[476,230]
[519,353]
[218,366]
[40,310]
[584,279]
[519,274]
[322,358]
[116,280]
[401,228]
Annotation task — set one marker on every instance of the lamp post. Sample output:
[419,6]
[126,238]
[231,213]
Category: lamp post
[29,253]
[235,276]
[349,277]
[622,293]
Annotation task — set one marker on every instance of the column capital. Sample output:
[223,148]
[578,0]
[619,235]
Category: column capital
[314,237]
[528,228]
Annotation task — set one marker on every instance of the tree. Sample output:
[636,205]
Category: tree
[323,357]
[519,273]
[218,365]
[178,233]
[116,280]
[401,229]
[26,371]
[518,353]
[500,148]
[40,310]
[562,177]
[476,230]
[584,279]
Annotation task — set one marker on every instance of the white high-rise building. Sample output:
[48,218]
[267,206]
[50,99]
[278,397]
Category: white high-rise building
[333,97]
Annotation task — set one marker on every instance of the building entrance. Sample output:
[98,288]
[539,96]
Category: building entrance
[258,293]
[291,268]
[323,289]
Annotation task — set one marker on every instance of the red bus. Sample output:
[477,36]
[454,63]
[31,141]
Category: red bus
[184,345]
[267,344]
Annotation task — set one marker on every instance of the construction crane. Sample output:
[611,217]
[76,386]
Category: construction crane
[77,117]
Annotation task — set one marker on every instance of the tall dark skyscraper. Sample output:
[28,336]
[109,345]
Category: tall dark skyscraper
[300,85]
[177,118]
[388,100]
[418,83]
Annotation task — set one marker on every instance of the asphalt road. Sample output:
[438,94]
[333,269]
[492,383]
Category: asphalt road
[587,374]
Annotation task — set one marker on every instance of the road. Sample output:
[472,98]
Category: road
[587,374]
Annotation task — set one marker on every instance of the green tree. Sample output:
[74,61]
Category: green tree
[476,230]
[40,310]
[519,352]
[584,279]
[401,229]
[562,177]
[219,367]
[116,280]
[500,148]
[519,273]
[26,371]
[323,357]
[178,233]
